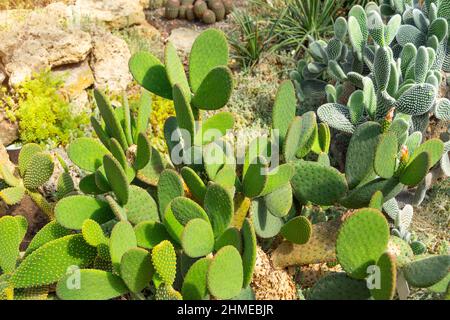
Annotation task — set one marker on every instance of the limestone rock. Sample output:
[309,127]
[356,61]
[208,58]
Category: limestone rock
[44,40]
[183,39]
[116,14]
[109,61]
[76,77]
[8,130]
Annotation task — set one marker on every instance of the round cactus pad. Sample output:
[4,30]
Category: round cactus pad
[194,284]
[197,238]
[362,239]
[318,183]
[93,285]
[297,230]
[387,278]
[136,269]
[225,273]
[165,261]
[338,286]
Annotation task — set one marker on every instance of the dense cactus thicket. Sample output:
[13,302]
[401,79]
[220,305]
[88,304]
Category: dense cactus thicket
[190,224]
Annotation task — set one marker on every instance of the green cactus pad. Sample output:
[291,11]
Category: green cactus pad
[291,142]
[122,239]
[323,139]
[317,183]
[219,206]
[151,74]
[230,237]
[113,126]
[140,206]
[194,284]
[175,69]
[388,278]
[197,238]
[361,153]
[165,261]
[39,170]
[362,239]
[220,81]
[94,285]
[194,183]
[214,127]
[144,111]
[25,155]
[360,196]
[279,202]
[249,252]
[116,208]
[172,225]
[167,292]
[150,233]
[22,223]
[64,185]
[337,116]
[170,186]
[256,178]
[418,247]
[143,152]
[297,230]
[117,152]
[101,181]
[50,262]
[417,100]
[183,110]
[386,155]
[10,239]
[284,108]
[266,224]
[377,200]
[184,210]
[202,60]
[427,271]
[434,148]
[338,286]
[51,231]
[93,234]
[12,195]
[416,170]
[225,273]
[88,185]
[117,179]
[151,172]
[136,269]
[71,212]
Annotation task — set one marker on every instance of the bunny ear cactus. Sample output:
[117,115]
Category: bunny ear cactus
[35,168]
[207,72]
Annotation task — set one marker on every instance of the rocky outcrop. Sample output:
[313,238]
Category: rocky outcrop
[66,38]
[43,41]
[8,130]
[183,39]
[109,61]
[116,14]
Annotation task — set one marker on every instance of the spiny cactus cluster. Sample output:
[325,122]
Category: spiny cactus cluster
[379,61]
[34,169]
[208,11]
